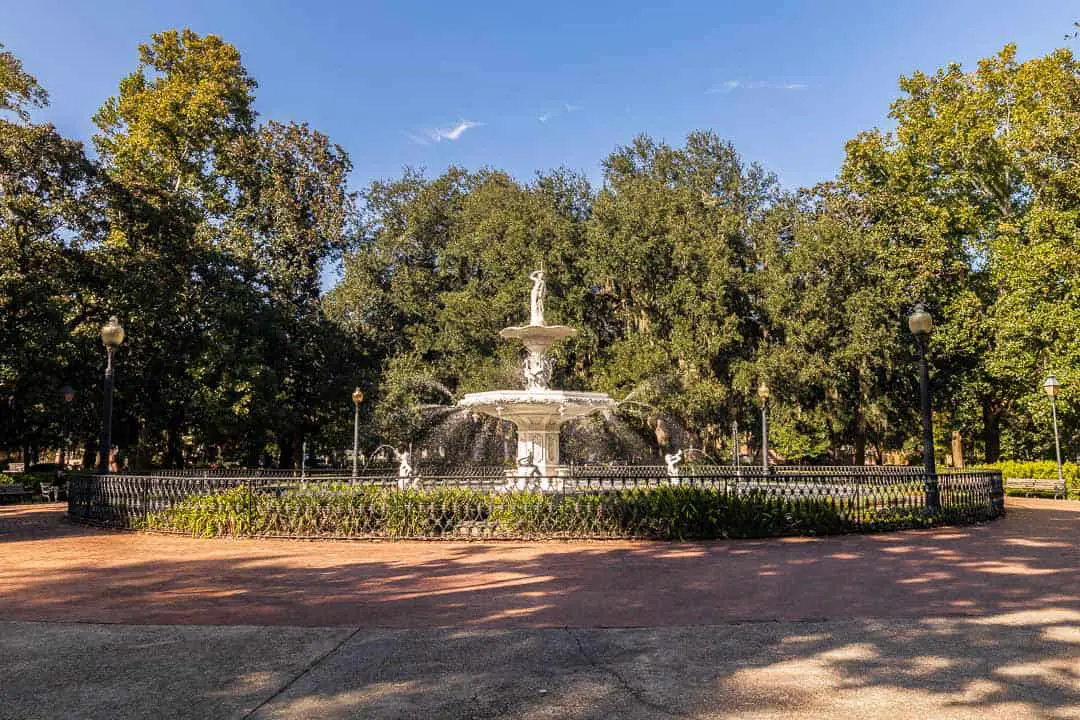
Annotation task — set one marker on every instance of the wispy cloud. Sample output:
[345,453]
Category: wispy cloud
[733,85]
[566,109]
[440,134]
[430,135]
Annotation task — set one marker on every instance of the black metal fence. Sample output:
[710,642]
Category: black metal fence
[583,502]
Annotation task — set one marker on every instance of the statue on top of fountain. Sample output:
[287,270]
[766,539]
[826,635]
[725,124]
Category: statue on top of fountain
[536,297]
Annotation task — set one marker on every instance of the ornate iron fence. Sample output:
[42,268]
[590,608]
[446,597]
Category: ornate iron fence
[586,502]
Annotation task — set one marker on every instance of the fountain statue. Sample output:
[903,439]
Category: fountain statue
[406,472]
[538,411]
[673,461]
[536,298]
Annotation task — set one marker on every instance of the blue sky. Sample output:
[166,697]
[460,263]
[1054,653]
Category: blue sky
[525,86]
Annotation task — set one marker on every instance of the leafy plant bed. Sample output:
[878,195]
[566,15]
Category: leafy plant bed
[344,511]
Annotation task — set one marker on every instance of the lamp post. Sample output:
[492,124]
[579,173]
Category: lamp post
[357,398]
[1051,387]
[763,395]
[112,334]
[68,394]
[921,323]
[735,443]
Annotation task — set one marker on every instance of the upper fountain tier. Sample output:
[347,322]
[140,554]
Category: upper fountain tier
[538,398]
[538,338]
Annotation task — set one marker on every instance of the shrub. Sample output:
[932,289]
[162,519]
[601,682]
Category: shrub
[343,510]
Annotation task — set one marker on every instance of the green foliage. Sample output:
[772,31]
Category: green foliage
[660,513]
[979,185]
[835,355]
[670,244]
[19,90]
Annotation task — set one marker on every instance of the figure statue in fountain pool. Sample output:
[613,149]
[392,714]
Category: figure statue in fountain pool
[406,472]
[673,460]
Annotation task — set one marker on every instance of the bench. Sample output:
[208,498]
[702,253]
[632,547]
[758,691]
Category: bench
[1036,485]
[13,493]
[52,491]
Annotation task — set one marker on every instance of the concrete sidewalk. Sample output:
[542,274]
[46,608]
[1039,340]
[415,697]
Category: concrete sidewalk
[1008,667]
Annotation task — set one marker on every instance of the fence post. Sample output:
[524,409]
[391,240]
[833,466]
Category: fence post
[997,493]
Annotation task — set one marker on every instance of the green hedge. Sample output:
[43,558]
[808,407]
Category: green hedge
[30,481]
[660,513]
[1038,470]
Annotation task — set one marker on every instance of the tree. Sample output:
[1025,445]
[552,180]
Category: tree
[670,253]
[19,90]
[981,172]
[294,214]
[164,144]
[836,355]
[47,215]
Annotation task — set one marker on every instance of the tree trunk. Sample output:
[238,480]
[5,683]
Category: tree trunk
[860,446]
[252,455]
[174,454]
[287,445]
[991,431]
[89,459]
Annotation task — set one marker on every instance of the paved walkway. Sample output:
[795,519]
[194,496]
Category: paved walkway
[963,622]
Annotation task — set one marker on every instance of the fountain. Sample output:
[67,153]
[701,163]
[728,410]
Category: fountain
[538,411]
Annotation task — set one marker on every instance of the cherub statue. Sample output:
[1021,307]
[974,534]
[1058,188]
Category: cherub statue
[527,473]
[672,460]
[406,472]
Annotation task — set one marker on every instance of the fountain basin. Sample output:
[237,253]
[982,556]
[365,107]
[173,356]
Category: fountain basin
[538,415]
[543,409]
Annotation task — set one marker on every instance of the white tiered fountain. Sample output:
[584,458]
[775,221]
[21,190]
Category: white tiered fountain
[537,411]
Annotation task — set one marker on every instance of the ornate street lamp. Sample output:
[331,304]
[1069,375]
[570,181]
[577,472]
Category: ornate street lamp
[1051,387]
[357,398]
[921,325]
[112,334]
[763,395]
[68,394]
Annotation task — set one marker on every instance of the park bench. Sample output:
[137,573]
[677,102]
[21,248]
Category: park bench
[52,491]
[13,493]
[1036,485]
